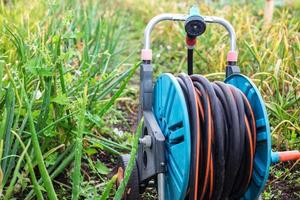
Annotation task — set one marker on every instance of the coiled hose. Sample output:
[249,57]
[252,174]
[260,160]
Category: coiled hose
[223,135]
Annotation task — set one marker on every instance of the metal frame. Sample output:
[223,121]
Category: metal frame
[152,139]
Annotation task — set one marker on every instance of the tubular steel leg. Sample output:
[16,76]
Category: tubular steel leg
[160,186]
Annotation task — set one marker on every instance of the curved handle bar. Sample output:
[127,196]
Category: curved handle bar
[181,17]
[155,20]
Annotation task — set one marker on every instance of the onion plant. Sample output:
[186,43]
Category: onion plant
[45,65]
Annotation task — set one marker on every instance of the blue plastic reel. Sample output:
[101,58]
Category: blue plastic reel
[262,158]
[170,109]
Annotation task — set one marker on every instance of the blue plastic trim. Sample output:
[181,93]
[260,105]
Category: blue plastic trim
[275,157]
[262,158]
[170,110]
[194,11]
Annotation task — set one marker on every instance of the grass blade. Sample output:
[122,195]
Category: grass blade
[128,170]
[109,185]
[1,75]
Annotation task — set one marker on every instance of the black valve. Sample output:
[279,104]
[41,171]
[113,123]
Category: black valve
[195,26]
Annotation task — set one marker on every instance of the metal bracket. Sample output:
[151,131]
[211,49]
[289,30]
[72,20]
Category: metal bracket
[151,158]
[146,87]
[232,69]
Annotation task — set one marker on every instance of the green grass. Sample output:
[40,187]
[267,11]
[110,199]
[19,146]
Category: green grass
[50,52]
[54,54]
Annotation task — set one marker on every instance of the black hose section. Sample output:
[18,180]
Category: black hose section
[227,138]
[190,55]
[241,184]
[218,127]
[233,157]
[240,178]
[188,90]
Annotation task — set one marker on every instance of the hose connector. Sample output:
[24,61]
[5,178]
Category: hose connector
[285,156]
[194,24]
[190,42]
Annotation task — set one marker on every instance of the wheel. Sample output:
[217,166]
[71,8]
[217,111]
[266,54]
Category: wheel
[132,191]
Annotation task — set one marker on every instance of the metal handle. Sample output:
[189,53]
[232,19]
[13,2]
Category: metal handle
[181,17]
[227,26]
[155,20]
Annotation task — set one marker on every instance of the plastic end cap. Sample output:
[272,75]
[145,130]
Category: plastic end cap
[232,56]
[146,54]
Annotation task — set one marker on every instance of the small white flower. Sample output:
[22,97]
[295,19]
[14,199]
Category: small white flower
[118,132]
[38,95]
[78,72]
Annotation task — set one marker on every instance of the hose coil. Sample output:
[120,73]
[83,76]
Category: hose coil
[223,135]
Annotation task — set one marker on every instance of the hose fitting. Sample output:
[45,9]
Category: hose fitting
[194,24]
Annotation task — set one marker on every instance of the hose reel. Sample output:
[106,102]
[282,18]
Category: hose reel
[169,156]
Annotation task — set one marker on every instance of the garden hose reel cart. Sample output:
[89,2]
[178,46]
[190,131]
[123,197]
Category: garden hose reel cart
[176,146]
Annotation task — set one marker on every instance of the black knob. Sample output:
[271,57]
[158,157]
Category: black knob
[195,26]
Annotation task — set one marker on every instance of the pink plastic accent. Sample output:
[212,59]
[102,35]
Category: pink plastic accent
[232,56]
[146,54]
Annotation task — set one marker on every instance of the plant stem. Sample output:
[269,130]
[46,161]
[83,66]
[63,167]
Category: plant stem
[36,186]
[78,147]
[10,108]
[109,185]
[10,188]
[39,157]
[1,74]
[45,107]
[37,149]
[59,169]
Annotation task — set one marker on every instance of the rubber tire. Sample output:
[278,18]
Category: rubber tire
[132,191]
